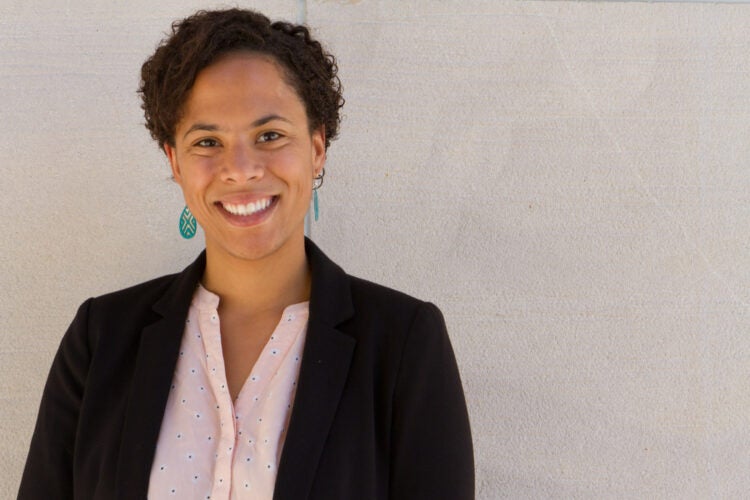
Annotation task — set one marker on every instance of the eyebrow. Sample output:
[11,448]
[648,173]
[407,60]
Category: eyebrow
[207,127]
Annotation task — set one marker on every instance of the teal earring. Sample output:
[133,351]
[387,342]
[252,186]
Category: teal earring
[315,204]
[317,182]
[188,224]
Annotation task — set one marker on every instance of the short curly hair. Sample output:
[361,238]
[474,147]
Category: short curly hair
[199,40]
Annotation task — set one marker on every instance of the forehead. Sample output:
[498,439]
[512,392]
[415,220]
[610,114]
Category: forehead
[239,70]
[242,81]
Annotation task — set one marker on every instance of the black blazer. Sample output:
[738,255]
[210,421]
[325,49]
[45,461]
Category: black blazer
[379,411]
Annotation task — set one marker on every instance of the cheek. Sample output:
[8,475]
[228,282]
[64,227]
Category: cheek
[194,191]
[198,172]
[296,174]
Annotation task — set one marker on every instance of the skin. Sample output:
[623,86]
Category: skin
[244,139]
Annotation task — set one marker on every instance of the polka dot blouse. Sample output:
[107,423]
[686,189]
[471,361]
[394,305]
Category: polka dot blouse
[210,446]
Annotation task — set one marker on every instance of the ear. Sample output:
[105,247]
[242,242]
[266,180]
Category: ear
[172,157]
[318,149]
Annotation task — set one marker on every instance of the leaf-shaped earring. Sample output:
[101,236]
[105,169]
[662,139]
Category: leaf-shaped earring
[188,224]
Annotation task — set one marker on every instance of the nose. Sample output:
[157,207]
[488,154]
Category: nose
[241,164]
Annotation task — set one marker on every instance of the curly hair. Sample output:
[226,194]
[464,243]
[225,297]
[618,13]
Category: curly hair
[199,40]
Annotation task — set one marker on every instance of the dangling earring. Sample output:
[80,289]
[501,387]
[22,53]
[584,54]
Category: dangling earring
[317,182]
[188,224]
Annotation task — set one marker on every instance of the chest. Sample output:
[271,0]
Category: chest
[222,440]
[242,343]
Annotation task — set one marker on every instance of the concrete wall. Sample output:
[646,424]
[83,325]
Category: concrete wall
[567,181]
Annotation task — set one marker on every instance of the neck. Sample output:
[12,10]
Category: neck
[256,286]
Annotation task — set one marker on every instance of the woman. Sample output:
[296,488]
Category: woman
[262,370]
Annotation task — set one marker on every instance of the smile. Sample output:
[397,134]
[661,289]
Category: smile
[249,208]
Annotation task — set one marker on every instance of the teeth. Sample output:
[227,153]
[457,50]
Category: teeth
[249,208]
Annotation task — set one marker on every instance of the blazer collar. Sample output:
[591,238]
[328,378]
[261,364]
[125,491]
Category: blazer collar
[325,367]
[330,298]
[323,372]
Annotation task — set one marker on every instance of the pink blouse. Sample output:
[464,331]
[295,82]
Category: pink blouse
[209,446]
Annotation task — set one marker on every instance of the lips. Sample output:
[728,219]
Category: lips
[249,208]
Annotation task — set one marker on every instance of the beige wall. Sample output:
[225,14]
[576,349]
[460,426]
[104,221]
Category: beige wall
[567,181]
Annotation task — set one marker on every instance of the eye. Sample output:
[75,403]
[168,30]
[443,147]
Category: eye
[207,143]
[269,136]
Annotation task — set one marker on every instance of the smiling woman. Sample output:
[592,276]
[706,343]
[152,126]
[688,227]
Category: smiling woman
[262,370]
[245,158]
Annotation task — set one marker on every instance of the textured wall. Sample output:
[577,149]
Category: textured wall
[566,180]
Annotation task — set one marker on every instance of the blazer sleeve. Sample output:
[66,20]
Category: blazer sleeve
[431,438]
[49,466]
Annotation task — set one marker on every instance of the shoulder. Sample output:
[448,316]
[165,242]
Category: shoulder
[119,315]
[129,306]
[338,297]
[393,313]
[145,294]
[365,292]
[364,309]
[168,295]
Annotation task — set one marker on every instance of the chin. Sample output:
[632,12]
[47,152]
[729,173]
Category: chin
[255,248]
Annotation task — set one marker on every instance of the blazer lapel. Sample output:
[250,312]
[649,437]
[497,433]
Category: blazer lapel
[154,368]
[325,367]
